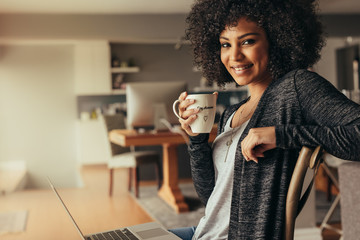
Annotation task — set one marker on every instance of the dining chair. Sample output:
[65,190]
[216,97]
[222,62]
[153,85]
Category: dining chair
[127,157]
[332,163]
[308,159]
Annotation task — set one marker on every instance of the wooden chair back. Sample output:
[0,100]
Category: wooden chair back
[308,158]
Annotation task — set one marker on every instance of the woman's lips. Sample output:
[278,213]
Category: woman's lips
[242,67]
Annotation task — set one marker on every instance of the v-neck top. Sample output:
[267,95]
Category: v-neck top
[212,225]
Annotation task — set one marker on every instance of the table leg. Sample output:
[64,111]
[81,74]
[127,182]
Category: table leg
[169,190]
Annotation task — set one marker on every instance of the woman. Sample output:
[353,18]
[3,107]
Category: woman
[243,177]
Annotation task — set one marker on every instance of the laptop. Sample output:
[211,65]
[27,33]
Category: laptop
[146,231]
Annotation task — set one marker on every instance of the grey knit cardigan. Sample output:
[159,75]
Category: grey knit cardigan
[306,110]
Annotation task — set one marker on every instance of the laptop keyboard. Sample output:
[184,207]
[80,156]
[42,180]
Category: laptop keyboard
[125,234]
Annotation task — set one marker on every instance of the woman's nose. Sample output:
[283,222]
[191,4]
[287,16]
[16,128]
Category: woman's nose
[236,54]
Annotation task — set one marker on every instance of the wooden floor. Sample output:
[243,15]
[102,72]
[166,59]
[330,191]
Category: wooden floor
[48,220]
[90,206]
[331,235]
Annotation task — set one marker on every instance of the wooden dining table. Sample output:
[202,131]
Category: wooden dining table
[169,191]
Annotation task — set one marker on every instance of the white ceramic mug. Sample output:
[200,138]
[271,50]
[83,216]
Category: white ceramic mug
[206,116]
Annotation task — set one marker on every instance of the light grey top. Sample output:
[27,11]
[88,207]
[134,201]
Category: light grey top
[212,225]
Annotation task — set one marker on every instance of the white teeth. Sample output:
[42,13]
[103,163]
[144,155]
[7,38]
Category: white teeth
[242,68]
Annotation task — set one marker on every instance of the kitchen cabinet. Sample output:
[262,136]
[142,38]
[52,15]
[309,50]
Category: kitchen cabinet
[92,68]
[92,149]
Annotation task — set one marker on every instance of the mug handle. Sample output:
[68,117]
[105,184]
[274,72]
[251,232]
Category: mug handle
[174,109]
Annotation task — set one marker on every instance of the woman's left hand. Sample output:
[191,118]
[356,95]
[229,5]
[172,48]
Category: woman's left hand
[257,142]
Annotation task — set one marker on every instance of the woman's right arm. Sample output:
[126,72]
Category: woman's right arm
[202,168]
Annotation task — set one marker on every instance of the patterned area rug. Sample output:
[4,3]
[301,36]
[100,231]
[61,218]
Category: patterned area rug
[160,211]
[163,213]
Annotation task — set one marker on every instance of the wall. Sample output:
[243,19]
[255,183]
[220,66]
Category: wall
[159,62]
[128,27]
[37,100]
[337,29]
[109,27]
[338,25]
[326,67]
[37,117]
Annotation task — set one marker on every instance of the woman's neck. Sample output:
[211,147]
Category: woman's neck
[257,90]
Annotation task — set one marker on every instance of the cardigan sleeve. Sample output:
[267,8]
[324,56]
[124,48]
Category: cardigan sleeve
[202,168]
[331,119]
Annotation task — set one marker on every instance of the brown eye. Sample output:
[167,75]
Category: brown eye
[225,45]
[248,42]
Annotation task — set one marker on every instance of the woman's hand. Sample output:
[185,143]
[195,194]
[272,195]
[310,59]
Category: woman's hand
[257,142]
[188,115]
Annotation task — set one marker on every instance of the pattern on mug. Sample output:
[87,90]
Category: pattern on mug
[204,108]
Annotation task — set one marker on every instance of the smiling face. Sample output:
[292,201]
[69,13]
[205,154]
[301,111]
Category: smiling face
[245,53]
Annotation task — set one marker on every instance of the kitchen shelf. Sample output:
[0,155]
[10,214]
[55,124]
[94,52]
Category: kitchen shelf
[217,89]
[125,69]
[118,92]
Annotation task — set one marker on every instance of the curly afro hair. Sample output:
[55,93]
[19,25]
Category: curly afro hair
[293,30]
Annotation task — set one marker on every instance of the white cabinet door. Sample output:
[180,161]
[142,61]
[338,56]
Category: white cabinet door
[92,145]
[92,68]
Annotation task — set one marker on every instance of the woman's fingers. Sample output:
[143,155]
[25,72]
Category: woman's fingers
[184,112]
[182,96]
[187,115]
[257,142]
[182,105]
[185,124]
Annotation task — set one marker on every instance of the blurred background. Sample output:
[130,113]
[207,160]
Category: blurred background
[62,63]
